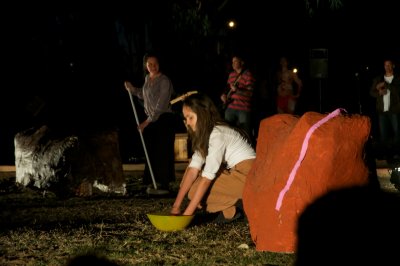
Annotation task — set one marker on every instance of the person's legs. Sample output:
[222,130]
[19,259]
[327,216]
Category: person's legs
[231,116]
[291,106]
[282,104]
[394,120]
[163,149]
[160,138]
[384,128]
[226,190]
[244,122]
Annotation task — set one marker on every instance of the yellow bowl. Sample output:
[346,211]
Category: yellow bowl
[168,222]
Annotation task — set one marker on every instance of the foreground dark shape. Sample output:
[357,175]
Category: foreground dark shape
[345,227]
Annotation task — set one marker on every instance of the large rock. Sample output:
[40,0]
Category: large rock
[333,159]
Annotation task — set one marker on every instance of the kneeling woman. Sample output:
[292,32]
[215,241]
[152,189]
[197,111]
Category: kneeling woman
[222,158]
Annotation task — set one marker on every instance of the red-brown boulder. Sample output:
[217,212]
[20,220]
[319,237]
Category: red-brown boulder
[332,158]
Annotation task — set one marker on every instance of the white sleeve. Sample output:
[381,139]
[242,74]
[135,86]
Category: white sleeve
[216,151]
[196,161]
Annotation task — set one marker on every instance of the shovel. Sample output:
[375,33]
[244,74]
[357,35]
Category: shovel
[155,190]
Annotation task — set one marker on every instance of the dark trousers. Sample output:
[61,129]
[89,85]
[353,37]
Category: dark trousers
[240,119]
[159,138]
[389,129]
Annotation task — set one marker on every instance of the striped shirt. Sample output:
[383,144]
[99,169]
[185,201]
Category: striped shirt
[242,97]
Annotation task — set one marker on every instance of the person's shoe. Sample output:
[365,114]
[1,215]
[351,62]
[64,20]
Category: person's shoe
[240,208]
[220,219]
[239,204]
[201,216]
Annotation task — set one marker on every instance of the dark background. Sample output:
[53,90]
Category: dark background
[64,66]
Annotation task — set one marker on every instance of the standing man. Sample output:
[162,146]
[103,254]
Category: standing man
[238,97]
[386,89]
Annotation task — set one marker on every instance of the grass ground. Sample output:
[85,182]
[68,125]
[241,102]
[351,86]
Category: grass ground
[41,229]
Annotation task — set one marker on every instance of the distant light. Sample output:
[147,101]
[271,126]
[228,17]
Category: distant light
[294,70]
[231,24]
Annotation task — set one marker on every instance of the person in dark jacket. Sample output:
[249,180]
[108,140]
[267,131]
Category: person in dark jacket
[386,89]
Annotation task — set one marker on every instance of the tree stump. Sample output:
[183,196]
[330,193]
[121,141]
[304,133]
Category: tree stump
[69,164]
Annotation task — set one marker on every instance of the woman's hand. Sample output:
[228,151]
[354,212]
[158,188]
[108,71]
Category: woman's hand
[175,210]
[143,125]
[201,190]
[128,86]
[189,177]
[223,98]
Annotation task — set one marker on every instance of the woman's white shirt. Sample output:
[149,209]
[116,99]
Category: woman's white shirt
[226,145]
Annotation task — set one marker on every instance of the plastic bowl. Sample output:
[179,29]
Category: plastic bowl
[168,222]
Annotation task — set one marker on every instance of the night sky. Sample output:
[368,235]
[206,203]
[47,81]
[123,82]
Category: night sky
[65,66]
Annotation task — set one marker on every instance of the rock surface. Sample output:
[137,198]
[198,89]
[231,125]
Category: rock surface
[333,159]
